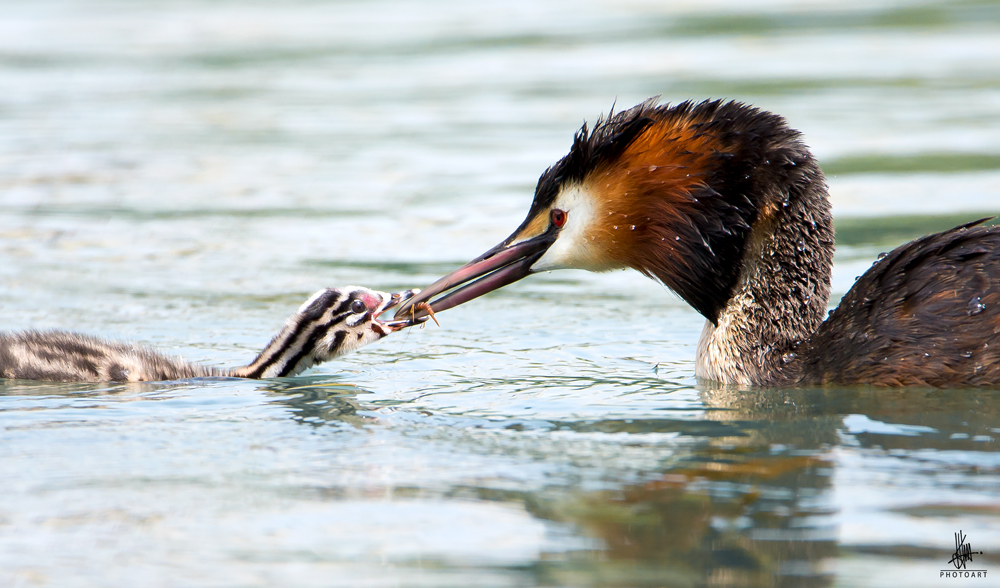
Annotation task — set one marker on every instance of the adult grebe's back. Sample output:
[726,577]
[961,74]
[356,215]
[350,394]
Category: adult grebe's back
[926,314]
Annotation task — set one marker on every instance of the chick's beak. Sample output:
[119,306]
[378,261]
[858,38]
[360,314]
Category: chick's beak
[504,264]
[391,302]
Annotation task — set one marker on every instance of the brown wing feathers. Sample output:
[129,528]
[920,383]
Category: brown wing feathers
[926,314]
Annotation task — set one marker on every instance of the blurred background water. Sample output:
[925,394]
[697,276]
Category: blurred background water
[186,173]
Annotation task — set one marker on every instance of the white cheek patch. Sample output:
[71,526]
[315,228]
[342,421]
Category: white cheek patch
[572,248]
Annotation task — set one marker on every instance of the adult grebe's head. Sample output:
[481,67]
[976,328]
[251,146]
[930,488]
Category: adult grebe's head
[674,192]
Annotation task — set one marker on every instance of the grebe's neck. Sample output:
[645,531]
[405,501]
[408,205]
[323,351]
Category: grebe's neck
[780,298]
[331,323]
[289,353]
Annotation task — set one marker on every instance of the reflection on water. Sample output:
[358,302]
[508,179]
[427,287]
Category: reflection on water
[185,174]
[748,494]
[320,403]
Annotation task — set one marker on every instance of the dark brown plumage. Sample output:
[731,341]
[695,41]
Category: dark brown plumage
[927,314]
[723,203]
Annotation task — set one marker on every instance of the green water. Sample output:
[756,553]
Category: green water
[186,174]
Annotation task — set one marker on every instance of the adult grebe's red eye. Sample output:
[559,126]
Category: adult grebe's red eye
[558,217]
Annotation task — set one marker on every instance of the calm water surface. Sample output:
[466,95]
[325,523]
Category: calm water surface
[186,173]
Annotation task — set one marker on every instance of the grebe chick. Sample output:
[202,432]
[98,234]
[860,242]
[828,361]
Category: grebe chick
[331,322]
[725,205]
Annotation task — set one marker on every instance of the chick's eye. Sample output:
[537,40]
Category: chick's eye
[358,306]
[558,217]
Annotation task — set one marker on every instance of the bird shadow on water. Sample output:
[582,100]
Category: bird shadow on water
[743,495]
[751,502]
[119,390]
[313,401]
[748,497]
[318,402]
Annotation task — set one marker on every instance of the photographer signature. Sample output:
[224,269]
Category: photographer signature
[963,552]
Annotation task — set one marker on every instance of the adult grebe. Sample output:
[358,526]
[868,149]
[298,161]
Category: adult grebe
[331,323]
[724,204]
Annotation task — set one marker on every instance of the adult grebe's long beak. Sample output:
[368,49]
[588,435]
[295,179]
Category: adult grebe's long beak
[504,264]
